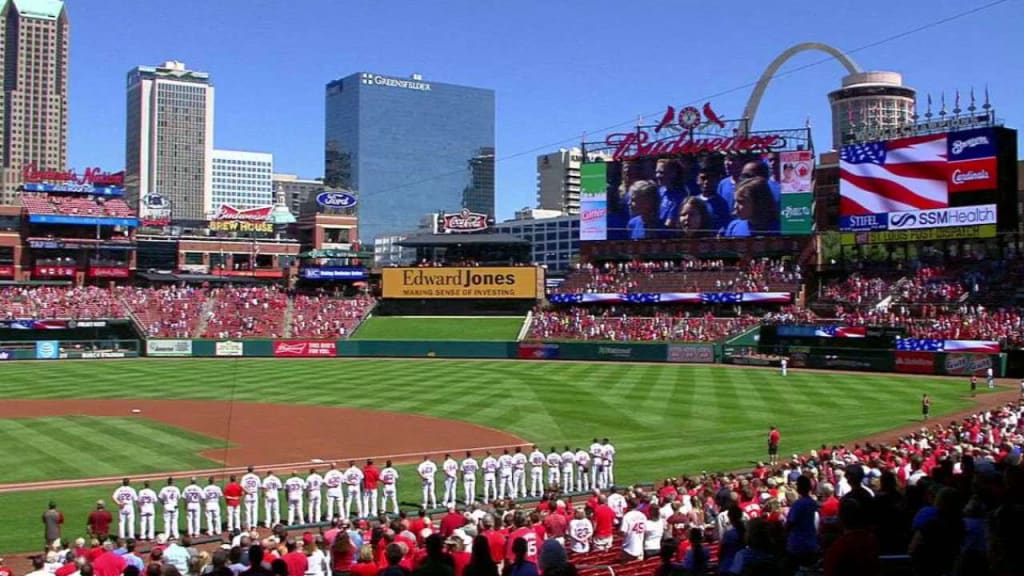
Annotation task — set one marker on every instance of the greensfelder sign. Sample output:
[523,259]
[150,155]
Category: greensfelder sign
[796,215]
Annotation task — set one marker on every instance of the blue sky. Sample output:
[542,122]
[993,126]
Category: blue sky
[559,68]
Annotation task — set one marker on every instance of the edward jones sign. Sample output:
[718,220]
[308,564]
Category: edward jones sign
[460,283]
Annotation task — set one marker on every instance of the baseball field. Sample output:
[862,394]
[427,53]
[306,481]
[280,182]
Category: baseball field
[75,427]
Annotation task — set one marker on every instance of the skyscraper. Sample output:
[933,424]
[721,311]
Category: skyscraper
[409,148]
[870,103]
[242,179]
[34,109]
[169,143]
[558,179]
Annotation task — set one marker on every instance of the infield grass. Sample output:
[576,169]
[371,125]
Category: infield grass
[438,328]
[664,419]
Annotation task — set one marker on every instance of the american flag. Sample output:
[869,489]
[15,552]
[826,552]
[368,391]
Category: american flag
[919,345]
[933,345]
[893,176]
[841,332]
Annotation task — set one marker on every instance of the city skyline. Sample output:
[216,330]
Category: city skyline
[538,99]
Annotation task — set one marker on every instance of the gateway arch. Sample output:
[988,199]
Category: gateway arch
[750,111]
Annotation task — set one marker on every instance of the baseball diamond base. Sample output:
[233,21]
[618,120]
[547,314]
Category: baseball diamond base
[276,435]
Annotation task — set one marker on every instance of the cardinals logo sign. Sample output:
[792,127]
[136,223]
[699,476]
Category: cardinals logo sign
[689,118]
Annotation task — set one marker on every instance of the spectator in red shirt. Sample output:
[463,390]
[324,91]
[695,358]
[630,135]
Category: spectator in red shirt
[451,521]
[495,540]
[5,570]
[366,566]
[295,558]
[99,522]
[604,520]
[108,563]
[527,534]
[457,550]
[342,554]
[856,551]
[829,503]
[556,523]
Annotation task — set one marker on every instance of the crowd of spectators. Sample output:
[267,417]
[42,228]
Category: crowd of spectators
[614,323]
[58,302]
[945,499]
[77,205]
[166,312]
[246,312]
[326,315]
[762,275]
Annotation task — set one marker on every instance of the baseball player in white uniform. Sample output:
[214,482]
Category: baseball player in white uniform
[596,464]
[536,472]
[335,500]
[271,495]
[784,366]
[212,495]
[294,489]
[169,497]
[354,489]
[519,473]
[609,459]
[389,478]
[193,497]
[251,484]
[490,466]
[505,476]
[568,467]
[426,470]
[583,471]
[314,482]
[126,497]
[147,512]
[554,467]
[451,474]
[989,377]
[469,468]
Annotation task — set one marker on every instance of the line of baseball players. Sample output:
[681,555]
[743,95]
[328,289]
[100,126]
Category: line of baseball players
[355,487]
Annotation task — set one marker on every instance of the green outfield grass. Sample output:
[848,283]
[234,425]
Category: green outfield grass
[425,328]
[88,446]
[664,419]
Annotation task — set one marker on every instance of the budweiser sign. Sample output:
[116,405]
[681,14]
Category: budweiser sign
[640,144]
[229,212]
[464,221]
[94,176]
[305,348]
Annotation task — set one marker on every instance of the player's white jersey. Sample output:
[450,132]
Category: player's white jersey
[192,494]
[271,486]
[314,482]
[450,467]
[582,458]
[537,458]
[295,486]
[334,479]
[147,500]
[505,464]
[554,460]
[169,496]
[596,453]
[251,484]
[519,461]
[125,496]
[353,476]
[469,468]
[609,452]
[212,495]
[568,458]
[490,465]
[634,525]
[426,470]
[389,475]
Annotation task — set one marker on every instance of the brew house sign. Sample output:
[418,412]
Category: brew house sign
[463,221]
[688,133]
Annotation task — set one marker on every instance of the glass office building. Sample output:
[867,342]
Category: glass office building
[408,148]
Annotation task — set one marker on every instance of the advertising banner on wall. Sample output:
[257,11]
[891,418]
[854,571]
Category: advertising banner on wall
[305,348]
[797,171]
[915,362]
[593,202]
[538,350]
[967,364]
[703,354]
[168,347]
[796,216]
[47,350]
[7,355]
[228,348]
[460,283]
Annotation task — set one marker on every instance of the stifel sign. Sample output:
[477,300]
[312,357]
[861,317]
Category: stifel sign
[94,176]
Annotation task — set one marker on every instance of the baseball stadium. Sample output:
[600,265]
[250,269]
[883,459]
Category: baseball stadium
[742,336]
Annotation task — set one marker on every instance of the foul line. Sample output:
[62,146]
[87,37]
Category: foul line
[403,458]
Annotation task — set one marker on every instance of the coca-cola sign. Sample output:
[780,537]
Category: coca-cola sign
[464,221]
[95,176]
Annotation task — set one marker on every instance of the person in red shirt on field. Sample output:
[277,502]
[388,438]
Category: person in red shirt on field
[5,570]
[527,533]
[773,446]
[233,500]
[452,521]
[99,521]
[371,477]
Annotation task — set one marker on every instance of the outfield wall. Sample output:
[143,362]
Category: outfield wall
[916,362]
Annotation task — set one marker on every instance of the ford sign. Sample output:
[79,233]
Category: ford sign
[335,200]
